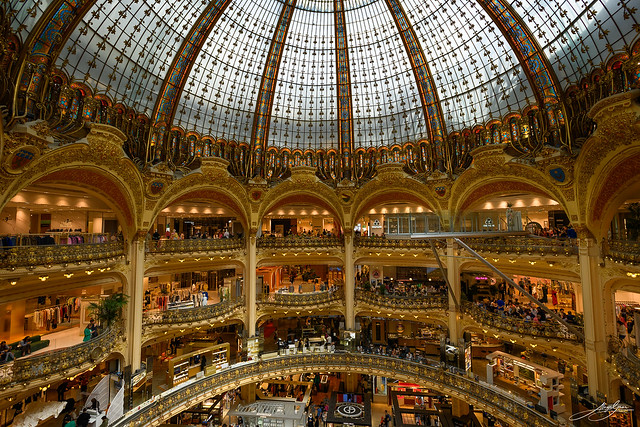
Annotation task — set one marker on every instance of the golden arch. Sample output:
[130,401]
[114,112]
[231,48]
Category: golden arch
[376,193]
[290,192]
[226,196]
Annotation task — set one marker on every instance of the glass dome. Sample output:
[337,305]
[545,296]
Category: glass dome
[475,69]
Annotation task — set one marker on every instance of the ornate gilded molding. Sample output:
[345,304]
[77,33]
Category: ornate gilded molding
[191,246]
[32,256]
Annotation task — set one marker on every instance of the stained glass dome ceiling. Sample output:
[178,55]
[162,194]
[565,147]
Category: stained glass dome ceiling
[126,48]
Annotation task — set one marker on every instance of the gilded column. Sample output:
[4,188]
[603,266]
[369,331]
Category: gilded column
[136,300]
[594,325]
[349,282]
[453,275]
[251,285]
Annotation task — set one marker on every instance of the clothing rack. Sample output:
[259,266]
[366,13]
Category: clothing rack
[52,238]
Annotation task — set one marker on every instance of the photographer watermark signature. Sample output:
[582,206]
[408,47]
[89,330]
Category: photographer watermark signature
[602,412]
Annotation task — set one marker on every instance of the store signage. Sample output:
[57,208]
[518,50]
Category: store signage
[482,278]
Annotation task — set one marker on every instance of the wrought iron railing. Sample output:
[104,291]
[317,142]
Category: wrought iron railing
[626,251]
[549,329]
[299,242]
[518,245]
[394,302]
[625,362]
[492,399]
[193,315]
[301,300]
[194,245]
[69,360]
[30,256]
[375,242]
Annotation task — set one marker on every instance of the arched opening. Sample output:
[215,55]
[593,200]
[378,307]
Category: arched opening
[64,233]
[397,219]
[296,217]
[625,224]
[195,216]
[308,227]
[515,211]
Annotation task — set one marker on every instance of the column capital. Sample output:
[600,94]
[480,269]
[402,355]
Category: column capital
[139,236]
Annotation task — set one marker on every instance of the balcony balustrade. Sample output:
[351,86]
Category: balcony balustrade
[394,302]
[194,246]
[67,361]
[550,329]
[518,245]
[301,300]
[47,255]
[490,398]
[380,243]
[625,361]
[193,315]
[625,251]
[299,242]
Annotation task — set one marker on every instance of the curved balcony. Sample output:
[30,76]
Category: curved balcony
[394,302]
[625,251]
[47,255]
[625,362]
[489,398]
[301,300]
[523,245]
[547,330]
[277,304]
[159,321]
[298,242]
[382,243]
[188,246]
[38,369]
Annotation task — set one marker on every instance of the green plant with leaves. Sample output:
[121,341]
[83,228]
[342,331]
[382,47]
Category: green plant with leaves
[108,310]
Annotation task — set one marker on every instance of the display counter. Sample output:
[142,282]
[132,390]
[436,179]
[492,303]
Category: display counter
[539,382]
[188,365]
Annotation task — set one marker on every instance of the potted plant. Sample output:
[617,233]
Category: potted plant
[109,309]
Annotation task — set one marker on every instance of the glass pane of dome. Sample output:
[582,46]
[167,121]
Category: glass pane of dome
[220,95]
[27,14]
[386,103]
[304,107]
[578,36]
[125,48]
[476,72]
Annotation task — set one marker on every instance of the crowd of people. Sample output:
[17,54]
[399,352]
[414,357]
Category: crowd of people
[293,234]
[565,232]
[214,234]
[625,322]
[528,312]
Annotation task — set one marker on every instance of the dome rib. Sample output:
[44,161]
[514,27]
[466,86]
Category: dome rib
[424,80]
[345,109]
[536,65]
[260,131]
[50,33]
[176,77]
